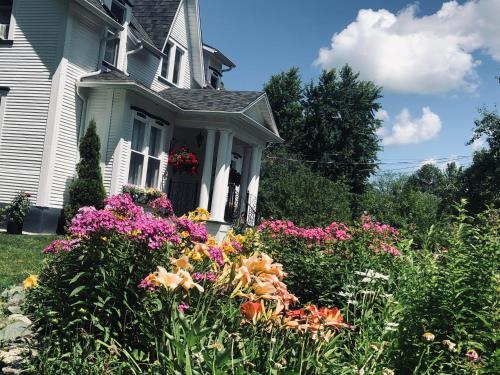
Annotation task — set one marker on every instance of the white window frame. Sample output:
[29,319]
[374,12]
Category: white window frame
[117,47]
[171,63]
[149,124]
[12,23]
[3,104]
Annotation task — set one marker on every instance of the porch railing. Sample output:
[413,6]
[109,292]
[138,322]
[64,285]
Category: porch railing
[234,212]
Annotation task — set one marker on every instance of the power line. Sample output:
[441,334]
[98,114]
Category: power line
[414,162]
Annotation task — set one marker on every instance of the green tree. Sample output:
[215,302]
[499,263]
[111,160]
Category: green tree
[87,188]
[292,191]
[482,178]
[428,179]
[285,94]
[340,127]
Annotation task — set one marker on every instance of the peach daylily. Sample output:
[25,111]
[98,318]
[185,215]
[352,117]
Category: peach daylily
[187,281]
[265,290]
[181,263]
[167,279]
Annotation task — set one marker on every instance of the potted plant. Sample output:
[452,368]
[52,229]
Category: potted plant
[183,160]
[16,212]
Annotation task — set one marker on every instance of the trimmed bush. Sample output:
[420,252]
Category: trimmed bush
[87,188]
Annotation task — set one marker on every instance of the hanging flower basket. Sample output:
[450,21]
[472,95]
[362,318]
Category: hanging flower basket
[183,160]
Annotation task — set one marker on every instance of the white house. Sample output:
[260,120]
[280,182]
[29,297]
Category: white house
[140,69]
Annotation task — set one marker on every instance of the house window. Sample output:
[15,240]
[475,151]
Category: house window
[5,15]
[172,63]
[145,153]
[215,78]
[111,50]
[165,61]
[3,98]
[118,11]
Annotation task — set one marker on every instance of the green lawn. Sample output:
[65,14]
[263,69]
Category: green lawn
[20,255]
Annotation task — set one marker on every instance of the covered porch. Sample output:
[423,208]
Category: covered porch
[227,131]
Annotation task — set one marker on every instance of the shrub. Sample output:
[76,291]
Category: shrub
[87,188]
[291,191]
[132,292]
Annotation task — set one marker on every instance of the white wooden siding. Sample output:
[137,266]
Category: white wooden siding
[179,34]
[144,67]
[27,68]
[82,57]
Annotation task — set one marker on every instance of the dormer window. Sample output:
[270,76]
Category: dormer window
[172,64]
[118,11]
[5,15]
[215,78]
[111,51]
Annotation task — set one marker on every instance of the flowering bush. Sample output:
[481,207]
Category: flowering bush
[317,258]
[181,159]
[132,290]
[127,272]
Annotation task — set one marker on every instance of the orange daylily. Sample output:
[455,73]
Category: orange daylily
[182,263]
[251,310]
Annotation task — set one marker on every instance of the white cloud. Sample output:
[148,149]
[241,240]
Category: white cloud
[382,114]
[408,130]
[478,144]
[407,53]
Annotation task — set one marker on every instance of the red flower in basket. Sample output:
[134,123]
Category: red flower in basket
[183,160]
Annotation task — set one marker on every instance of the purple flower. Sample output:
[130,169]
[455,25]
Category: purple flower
[162,206]
[58,246]
[183,307]
[204,276]
[216,255]
[197,231]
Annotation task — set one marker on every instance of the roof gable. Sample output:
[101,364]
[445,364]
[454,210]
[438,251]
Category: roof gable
[156,18]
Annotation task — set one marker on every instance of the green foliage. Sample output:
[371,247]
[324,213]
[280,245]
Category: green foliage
[291,191]
[482,178]
[332,121]
[18,208]
[140,195]
[87,188]
[394,199]
[453,294]
[340,125]
[285,95]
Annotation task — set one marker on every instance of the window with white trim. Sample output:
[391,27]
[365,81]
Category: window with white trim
[146,150]
[5,16]
[172,64]
[119,13]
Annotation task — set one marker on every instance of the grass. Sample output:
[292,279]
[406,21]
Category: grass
[20,255]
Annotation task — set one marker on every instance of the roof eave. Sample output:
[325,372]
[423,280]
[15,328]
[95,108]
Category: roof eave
[101,14]
[270,135]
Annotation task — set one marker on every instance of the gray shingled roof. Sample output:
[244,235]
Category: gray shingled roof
[191,99]
[210,100]
[156,18]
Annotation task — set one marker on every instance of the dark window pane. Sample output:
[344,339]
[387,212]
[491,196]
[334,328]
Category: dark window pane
[164,63]
[135,168]
[111,51]
[5,13]
[214,81]
[118,12]
[177,66]
[154,141]
[138,135]
[153,172]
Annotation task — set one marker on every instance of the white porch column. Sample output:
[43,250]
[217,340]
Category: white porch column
[229,155]
[253,186]
[206,178]
[245,179]
[219,195]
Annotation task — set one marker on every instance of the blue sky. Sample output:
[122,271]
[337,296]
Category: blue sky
[437,61]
